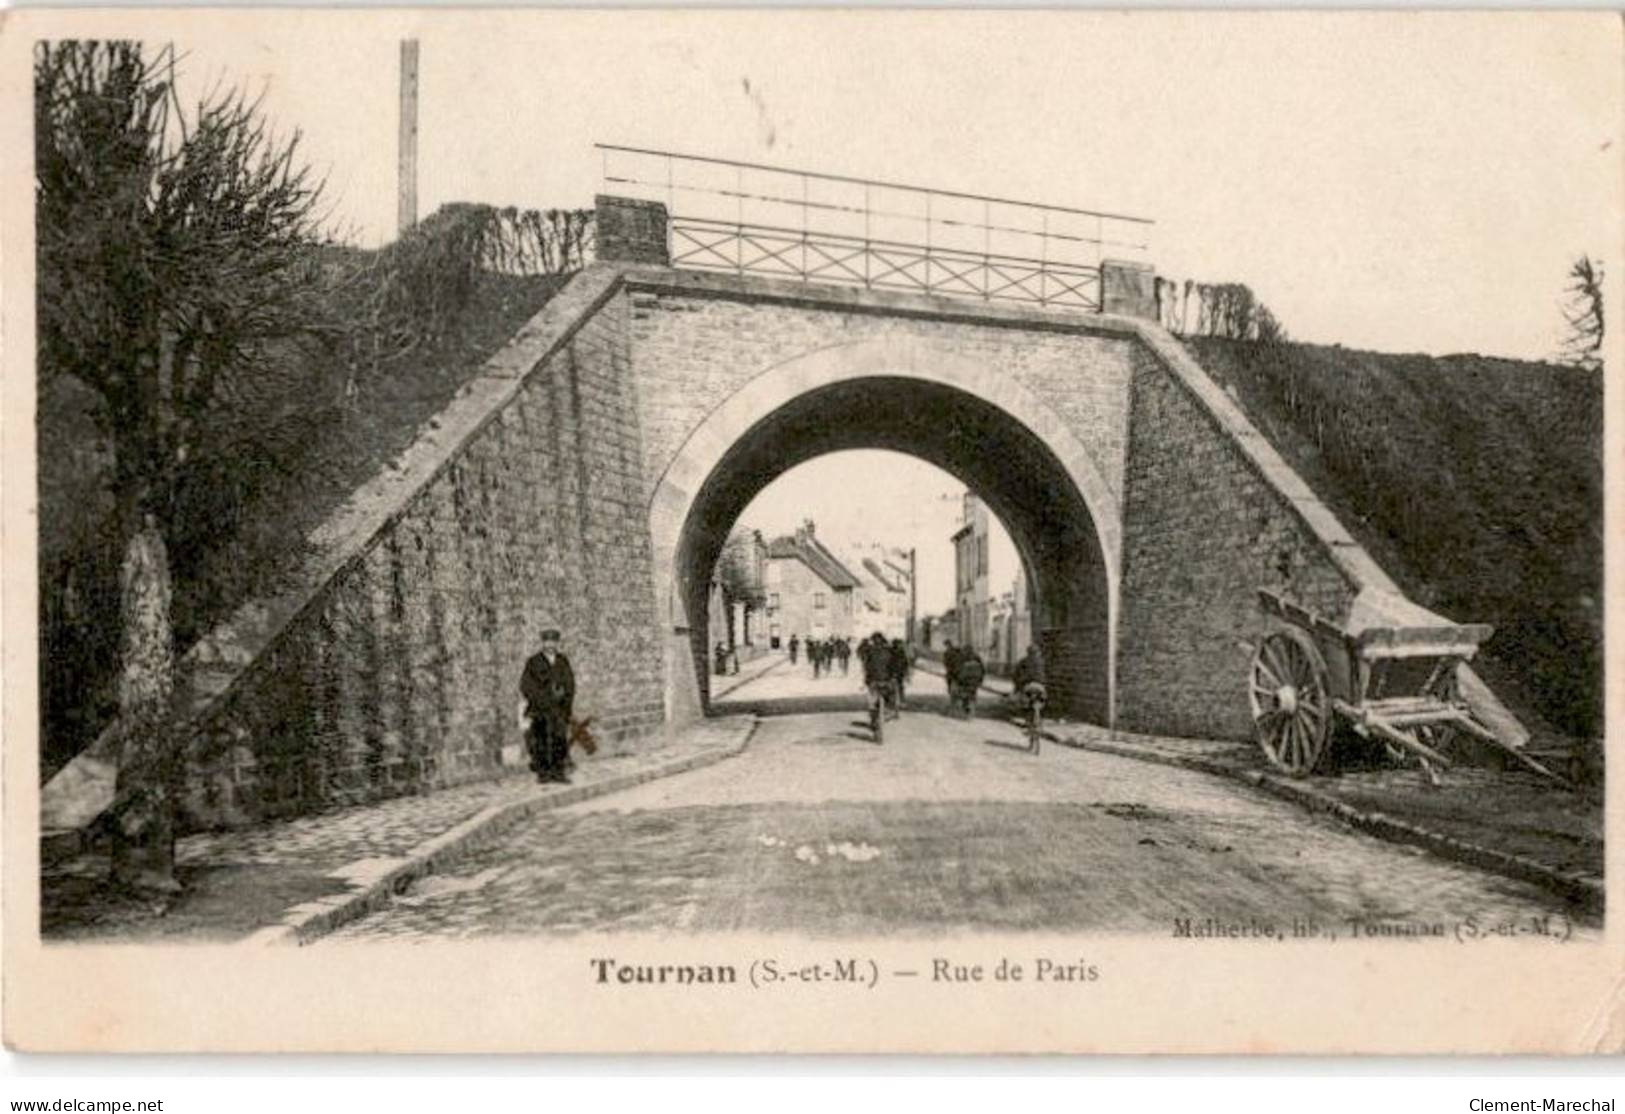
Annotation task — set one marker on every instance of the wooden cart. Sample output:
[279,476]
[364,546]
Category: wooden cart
[1396,685]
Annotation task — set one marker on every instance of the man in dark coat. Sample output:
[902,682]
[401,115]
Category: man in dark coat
[967,678]
[549,688]
[795,644]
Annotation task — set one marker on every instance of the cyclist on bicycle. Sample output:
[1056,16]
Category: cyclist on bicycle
[967,678]
[875,657]
[1029,687]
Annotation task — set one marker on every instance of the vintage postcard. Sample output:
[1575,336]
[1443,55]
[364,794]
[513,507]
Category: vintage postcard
[810,531]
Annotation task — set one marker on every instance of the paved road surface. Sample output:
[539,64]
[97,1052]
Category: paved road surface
[948,826]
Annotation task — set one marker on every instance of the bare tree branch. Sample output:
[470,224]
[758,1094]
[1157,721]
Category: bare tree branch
[1583,311]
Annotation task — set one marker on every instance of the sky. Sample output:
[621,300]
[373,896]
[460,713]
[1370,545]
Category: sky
[1397,181]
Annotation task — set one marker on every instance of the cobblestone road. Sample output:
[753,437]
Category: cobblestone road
[248,879]
[949,826]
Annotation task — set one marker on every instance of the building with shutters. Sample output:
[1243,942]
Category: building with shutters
[811,593]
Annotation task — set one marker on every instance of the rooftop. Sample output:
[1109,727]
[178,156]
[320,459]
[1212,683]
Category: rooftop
[806,547]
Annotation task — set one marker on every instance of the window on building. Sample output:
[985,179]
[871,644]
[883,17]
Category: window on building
[772,601]
[818,600]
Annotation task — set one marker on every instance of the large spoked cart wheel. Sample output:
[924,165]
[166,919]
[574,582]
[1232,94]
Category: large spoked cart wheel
[1291,702]
[1394,685]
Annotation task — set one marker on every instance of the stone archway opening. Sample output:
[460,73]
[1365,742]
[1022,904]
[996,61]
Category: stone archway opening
[979,443]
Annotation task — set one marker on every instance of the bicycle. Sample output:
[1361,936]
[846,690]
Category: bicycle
[962,702]
[967,679]
[1034,694]
[877,712]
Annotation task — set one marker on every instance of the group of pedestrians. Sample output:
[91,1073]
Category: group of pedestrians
[963,669]
[548,687]
[887,666]
[823,654]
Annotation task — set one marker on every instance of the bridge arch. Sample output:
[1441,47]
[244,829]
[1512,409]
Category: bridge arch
[981,426]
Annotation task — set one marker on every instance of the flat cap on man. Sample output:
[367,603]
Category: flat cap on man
[550,634]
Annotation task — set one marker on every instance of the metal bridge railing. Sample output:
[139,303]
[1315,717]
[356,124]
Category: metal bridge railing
[746,218]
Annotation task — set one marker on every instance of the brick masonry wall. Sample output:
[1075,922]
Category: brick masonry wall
[690,352]
[402,673]
[630,231]
[532,507]
[1075,662]
[1202,532]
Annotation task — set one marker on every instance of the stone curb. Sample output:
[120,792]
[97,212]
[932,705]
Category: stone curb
[1583,890]
[391,876]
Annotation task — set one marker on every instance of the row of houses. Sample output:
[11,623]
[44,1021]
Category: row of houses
[765,593]
[815,592]
[796,586]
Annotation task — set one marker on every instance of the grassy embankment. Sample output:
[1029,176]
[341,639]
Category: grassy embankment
[1476,482]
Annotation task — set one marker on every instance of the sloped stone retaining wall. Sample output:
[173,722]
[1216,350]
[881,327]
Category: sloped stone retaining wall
[400,673]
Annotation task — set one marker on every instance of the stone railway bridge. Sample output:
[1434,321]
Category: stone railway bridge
[587,477]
